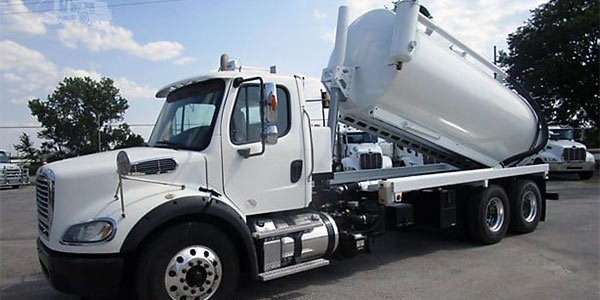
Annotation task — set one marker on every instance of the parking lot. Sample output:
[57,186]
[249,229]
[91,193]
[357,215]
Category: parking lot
[558,261]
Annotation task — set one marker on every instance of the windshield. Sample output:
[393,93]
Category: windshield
[4,158]
[361,137]
[561,134]
[188,116]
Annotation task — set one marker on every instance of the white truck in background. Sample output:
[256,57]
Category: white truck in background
[361,150]
[11,174]
[235,180]
[565,155]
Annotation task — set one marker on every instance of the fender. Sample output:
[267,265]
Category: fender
[195,207]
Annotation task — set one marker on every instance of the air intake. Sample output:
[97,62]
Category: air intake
[155,166]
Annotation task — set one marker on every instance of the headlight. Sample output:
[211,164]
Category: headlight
[90,232]
[589,157]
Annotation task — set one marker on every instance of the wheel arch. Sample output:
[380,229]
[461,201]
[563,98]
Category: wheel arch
[198,209]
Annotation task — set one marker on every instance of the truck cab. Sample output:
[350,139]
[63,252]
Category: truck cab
[11,174]
[565,155]
[213,151]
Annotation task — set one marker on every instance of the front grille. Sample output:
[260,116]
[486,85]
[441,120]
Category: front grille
[13,174]
[574,154]
[45,202]
[155,166]
[370,161]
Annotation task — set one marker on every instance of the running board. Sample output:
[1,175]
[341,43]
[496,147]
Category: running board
[293,269]
[285,230]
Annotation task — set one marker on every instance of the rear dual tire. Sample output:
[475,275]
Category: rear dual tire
[525,202]
[488,215]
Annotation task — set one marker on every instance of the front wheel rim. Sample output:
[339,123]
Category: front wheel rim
[193,273]
[529,206]
[494,215]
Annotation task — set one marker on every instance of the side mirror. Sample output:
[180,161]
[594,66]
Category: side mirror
[270,113]
[270,103]
[271,134]
[123,163]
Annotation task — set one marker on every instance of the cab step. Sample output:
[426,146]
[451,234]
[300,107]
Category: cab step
[285,230]
[293,269]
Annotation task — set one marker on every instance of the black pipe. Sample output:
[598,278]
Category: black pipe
[542,126]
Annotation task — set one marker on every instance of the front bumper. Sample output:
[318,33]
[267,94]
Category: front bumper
[82,275]
[562,167]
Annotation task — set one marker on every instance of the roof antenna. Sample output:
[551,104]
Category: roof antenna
[224,60]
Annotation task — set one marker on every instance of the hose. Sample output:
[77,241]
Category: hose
[542,126]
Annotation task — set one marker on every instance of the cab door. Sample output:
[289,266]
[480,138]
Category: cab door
[274,180]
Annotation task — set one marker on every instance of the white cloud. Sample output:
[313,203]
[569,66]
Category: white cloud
[319,14]
[11,77]
[102,36]
[134,91]
[29,68]
[184,60]
[70,72]
[18,19]
[29,71]
[129,89]
[328,35]
[22,100]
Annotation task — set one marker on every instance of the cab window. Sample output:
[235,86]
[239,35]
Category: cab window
[245,122]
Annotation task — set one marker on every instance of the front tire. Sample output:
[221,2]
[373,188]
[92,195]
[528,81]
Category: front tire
[526,205]
[188,261]
[488,215]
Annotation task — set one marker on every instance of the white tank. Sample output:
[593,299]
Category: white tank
[437,101]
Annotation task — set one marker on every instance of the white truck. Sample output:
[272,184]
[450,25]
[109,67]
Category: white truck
[11,174]
[565,155]
[236,182]
[361,151]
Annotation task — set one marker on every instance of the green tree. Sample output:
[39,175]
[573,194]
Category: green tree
[555,57]
[25,148]
[78,115]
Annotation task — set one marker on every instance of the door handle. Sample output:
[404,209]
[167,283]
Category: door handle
[295,170]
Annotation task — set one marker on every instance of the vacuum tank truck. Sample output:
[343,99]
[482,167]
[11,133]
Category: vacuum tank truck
[235,180]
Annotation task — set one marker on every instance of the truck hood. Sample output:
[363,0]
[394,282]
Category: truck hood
[359,149]
[85,187]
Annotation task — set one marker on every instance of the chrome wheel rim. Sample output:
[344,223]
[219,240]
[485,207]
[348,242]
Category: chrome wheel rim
[529,206]
[193,273]
[495,214]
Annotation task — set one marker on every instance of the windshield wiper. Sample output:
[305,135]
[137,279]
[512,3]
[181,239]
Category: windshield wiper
[171,144]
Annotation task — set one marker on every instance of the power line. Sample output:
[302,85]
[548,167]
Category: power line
[108,6]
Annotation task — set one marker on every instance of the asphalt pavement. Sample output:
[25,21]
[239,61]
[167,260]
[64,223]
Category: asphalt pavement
[560,260]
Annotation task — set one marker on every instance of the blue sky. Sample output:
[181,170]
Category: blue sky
[143,47]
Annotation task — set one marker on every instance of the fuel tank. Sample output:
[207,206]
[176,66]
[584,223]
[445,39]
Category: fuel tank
[423,95]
